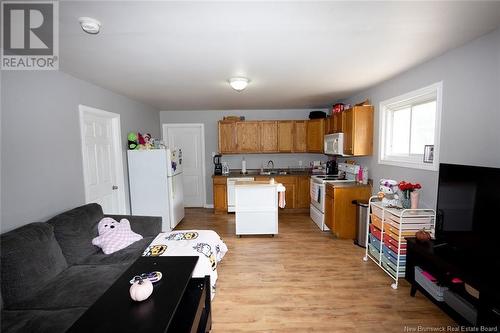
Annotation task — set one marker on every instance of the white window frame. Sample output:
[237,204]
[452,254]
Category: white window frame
[390,104]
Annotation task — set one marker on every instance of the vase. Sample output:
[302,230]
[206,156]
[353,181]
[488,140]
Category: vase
[414,196]
[405,199]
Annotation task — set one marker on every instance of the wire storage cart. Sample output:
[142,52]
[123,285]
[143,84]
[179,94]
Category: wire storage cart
[387,228]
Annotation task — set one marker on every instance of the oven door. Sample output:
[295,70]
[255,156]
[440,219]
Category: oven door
[318,195]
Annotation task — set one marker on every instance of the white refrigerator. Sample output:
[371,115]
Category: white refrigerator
[155,184]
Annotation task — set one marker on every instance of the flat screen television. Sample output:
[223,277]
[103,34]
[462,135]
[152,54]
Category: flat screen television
[468,206]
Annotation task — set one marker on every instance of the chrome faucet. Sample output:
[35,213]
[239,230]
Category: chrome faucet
[270,162]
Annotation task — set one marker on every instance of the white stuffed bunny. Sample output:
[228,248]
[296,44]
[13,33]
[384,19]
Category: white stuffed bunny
[388,192]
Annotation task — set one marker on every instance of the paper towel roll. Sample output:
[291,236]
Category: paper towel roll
[243,166]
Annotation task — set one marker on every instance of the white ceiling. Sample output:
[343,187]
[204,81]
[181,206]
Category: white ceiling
[179,55]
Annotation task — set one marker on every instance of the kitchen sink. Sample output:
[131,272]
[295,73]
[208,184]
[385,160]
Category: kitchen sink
[273,172]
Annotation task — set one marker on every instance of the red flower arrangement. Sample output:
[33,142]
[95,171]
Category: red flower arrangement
[404,186]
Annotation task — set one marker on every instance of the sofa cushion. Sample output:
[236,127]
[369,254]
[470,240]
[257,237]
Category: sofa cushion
[75,229]
[126,255]
[30,258]
[40,321]
[77,286]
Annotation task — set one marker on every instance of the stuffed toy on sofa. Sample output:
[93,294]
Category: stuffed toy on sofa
[114,236]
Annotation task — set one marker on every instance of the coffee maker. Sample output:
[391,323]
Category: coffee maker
[331,167]
[217,165]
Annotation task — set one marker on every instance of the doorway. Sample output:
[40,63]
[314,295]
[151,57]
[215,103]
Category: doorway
[191,139]
[102,159]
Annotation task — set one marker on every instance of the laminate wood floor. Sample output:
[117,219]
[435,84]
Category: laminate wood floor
[304,280]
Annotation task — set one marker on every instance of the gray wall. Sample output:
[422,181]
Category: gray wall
[41,172]
[470,123]
[253,161]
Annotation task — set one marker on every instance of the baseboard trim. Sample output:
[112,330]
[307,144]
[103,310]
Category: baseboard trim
[208,206]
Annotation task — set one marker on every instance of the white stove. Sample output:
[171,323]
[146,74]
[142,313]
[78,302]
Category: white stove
[347,174]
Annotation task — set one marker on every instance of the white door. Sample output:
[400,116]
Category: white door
[102,159]
[191,139]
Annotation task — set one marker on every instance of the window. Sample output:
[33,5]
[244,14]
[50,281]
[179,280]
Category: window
[409,126]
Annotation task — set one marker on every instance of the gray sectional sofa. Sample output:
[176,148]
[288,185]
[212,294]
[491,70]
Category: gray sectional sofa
[51,273]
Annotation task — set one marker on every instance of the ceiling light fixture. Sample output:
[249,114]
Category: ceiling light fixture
[239,83]
[90,25]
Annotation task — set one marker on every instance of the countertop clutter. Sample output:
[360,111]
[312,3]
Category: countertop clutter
[267,172]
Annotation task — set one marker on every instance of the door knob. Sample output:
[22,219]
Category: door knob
[114,187]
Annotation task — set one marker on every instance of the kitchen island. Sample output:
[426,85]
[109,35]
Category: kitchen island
[296,182]
[256,207]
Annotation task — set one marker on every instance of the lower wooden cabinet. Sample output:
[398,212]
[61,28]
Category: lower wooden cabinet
[220,194]
[340,212]
[296,194]
[303,192]
[290,184]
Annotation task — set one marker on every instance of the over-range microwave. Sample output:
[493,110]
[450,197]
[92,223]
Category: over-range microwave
[334,144]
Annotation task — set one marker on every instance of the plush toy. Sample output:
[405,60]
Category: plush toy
[132,140]
[388,192]
[148,141]
[114,236]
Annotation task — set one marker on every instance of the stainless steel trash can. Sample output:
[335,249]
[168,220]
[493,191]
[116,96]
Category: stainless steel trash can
[361,212]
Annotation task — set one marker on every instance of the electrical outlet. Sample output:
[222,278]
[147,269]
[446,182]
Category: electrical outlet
[213,154]
[300,163]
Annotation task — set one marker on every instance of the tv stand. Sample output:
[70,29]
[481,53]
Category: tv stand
[445,262]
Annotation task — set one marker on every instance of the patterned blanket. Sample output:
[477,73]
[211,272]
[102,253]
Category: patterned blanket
[206,244]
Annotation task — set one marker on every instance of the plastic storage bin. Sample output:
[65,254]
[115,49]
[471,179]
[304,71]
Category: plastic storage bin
[431,287]
[375,242]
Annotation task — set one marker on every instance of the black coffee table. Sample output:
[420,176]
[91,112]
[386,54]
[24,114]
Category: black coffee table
[179,303]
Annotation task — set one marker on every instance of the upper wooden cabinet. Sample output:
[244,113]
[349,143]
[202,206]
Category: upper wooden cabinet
[269,136]
[227,136]
[300,136]
[285,136]
[315,135]
[357,125]
[329,125]
[337,122]
[248,136]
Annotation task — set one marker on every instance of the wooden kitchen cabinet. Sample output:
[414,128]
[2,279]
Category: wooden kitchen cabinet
[268,136]
[328,125]
[248,136]
[285,136]
[337,122]
[227,136]
[357,123]
[340,212]
[315,135]
[300,136]
[290,184]
[329,207]
[303,192]
[220,194]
